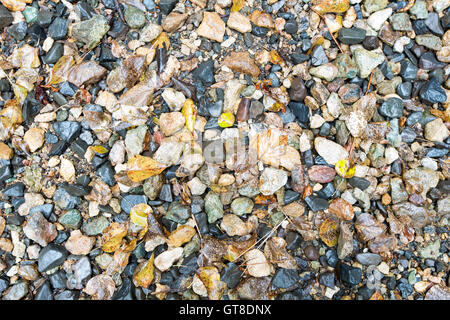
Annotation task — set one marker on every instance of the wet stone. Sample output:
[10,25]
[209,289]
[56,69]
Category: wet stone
[351,36]
[285,278]
[350,275]
[392,108]
[58,28]
[51,256]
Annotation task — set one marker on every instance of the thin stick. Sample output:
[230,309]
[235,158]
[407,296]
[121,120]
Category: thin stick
[370,80]
[329,30]
[119,10]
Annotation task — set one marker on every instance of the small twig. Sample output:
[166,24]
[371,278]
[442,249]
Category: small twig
[196,225]
[370,80]
[329,30]
[119,10]
[265,238]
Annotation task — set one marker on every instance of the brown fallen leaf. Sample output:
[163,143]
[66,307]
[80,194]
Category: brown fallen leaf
[140,168]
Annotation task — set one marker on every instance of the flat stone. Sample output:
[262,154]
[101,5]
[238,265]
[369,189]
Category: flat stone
[212,27]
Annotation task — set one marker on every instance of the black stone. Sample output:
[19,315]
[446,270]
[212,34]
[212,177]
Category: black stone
[351,36]
[18,30]
[392,108]
[298,58]
[231,275]
[55,52]
[46,209]
[359,183]
[14,190]
[79,147]
[67,130]
[428,61]
[130,200]
[433,23]
[316,203]
[106,173]
[58,280]
[301,111]
[58,148]
[51,256]
[124,292]
[6,17]
[205,72]
[167,6]
[44,292]
[327,279]
[404,90]
[77,190]
[432,92]
[371,43]
[291,27]
[58,29]
[285,278]
[408,70]
[44,18]
[350,275]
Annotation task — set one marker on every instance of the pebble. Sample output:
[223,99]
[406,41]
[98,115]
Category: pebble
[350,275]
[436,130]
[39,229]
[239,22]
[272,180]
[79,244]
[51,256]
[212,27]
[329,150]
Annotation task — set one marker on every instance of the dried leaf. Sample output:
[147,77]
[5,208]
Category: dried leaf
[210,278]
[112,236]
[11,114]
[237,5]
[140,168]
[181,235]
[60,70]
[144,273]
[328,232]
[100,287]
[190,113]
[162,40]
[139,214]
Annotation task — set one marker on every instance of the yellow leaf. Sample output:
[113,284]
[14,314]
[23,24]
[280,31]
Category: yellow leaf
[210,278]
[181,235]
[112,236]
[190,112]
[100,149]
[140,168]
[60,70]
[11,114]
[145,275]
[344,169]
[162,40]
[328,232]
[237,5]
[139,214]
